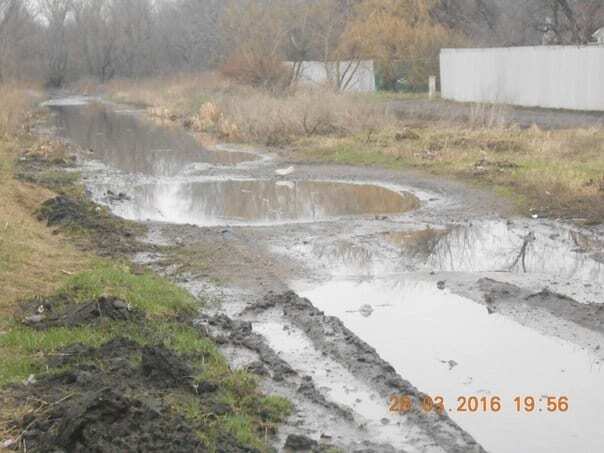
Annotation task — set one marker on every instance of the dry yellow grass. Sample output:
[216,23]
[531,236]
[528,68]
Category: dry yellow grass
[553,173]
[209,103]
[33,260]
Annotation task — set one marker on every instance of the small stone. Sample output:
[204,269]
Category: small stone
[385,421]
[297,442]
[121,305]
[366,310]
[35,319]
[441,285]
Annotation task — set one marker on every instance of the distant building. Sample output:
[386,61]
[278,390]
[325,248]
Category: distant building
[346,75]
[599,36]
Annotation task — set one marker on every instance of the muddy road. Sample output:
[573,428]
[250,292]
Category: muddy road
[344,287]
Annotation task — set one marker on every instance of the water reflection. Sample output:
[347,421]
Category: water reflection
[133,145]
[257,202]
[500,246]
[421,330]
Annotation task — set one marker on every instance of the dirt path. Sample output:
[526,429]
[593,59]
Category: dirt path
[522,116]
[414,285]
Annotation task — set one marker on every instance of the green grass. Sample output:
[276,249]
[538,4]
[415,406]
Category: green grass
[25,351]
[146,292]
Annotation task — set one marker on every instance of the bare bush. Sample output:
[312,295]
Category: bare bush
[257,70]
[260,116]
[15,102]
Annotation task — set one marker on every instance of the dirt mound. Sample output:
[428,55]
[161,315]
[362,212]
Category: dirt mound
[48,314]
[106,420]
[109,234]
[163,368]
[117,397]
[66,211]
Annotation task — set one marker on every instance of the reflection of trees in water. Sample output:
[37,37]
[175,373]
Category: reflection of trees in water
[305,200]
[263,201]
[134,145]
[346,255]
[497,246]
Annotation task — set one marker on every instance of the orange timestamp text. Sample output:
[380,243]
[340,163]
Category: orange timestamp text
[483,404]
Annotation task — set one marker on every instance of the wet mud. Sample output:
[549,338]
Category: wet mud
[115,397]
[409,285]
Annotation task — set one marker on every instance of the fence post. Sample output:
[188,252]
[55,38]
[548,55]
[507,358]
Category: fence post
[432,87]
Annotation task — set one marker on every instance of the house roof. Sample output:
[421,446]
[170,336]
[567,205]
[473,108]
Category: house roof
[599,32]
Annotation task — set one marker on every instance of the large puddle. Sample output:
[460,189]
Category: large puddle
[131,144]
[222,202]
[450,346]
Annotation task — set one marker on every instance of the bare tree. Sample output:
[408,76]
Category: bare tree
[55,13]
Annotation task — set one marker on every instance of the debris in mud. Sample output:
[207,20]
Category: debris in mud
[450,363]
[59,314]
[296,442]
[257,368]
[366,310]
[112,197]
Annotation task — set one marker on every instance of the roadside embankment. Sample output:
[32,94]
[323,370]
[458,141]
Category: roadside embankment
[90,342]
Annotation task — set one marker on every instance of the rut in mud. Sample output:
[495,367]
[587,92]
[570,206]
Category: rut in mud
[413,287]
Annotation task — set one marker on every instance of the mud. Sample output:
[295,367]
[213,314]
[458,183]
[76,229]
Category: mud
[114,398]
[103,421]
[332,338]
[109,234]
[55,313]
[444,297]
[590,316]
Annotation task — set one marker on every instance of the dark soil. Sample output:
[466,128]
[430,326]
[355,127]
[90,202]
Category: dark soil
[115,398]
[56,313]
[121,396]
[590,316]
[109,234]
[106,420]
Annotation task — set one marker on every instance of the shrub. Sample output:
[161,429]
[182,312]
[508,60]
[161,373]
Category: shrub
[257,70]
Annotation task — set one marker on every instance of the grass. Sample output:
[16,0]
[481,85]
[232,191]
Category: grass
[37,262]
[33,260]
[146,292]
[208,103]
[24,351]
[554,173]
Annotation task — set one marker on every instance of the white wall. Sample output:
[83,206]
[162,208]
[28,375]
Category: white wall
[562,77]
[318,73]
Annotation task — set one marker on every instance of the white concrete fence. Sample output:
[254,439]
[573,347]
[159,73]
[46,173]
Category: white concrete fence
[346,75]
[559,77]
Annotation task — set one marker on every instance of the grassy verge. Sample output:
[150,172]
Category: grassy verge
[549,173]
[60,268]
[556,173]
